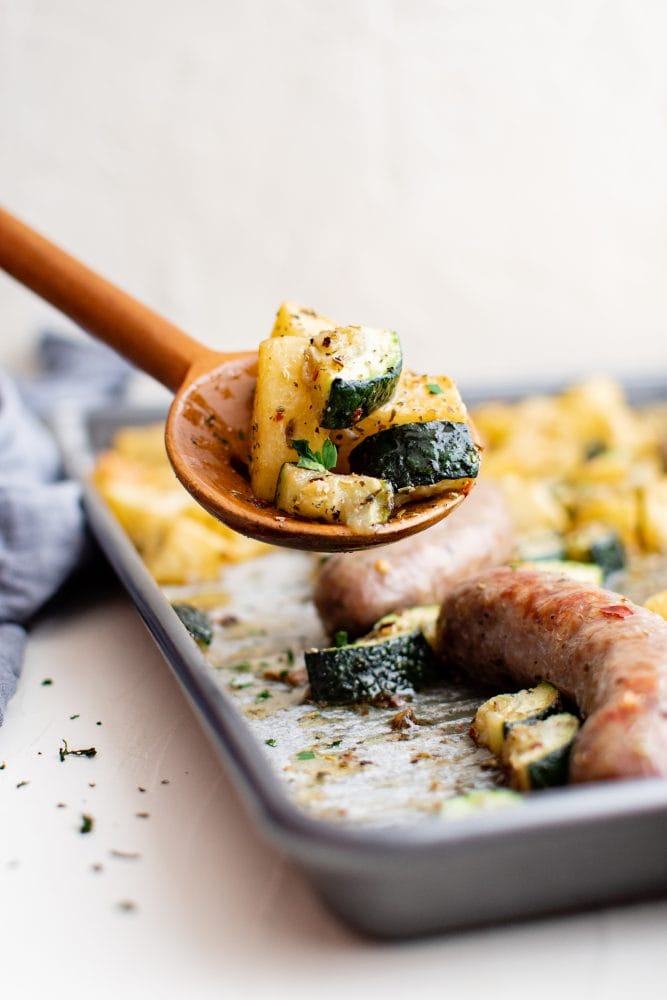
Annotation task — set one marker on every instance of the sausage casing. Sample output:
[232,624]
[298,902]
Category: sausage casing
[512,628]
[355,589]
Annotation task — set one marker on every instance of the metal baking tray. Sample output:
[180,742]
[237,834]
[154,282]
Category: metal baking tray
[559,851]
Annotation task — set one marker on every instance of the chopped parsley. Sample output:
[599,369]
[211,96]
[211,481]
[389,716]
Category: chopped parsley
[434,388]
[87,823]
[340,638]
[272,742]
[47,682]
[65,751]
[306,755]
[318,461]
[289,656]
[263,695]
[73,717]
[336,743]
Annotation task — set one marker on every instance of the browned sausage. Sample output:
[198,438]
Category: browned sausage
[515,627]
[355,589]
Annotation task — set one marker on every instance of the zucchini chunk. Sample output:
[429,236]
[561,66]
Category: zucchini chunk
[417,399]
[396,657]
[196,622]
[538,755]
[283,409]
[478,800]
[497,716]
[352,370]
[598,544]
[360,502]
[293,320]
[438,453]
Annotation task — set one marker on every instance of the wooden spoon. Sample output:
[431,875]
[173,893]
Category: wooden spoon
[207,426]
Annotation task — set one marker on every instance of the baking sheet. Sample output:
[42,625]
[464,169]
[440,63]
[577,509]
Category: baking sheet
[359,764]
[371,840]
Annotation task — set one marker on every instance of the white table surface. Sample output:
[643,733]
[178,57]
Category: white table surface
[490,178]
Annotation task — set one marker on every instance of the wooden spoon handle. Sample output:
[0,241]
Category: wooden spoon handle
[146,339]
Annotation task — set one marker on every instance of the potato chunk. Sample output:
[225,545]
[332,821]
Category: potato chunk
[293,320]
[283,409]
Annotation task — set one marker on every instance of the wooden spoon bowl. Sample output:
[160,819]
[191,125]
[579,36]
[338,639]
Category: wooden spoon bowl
[208,424]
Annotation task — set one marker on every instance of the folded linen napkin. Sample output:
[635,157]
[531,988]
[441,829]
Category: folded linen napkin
[42,527]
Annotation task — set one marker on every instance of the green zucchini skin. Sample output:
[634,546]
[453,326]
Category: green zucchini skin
[496,717]
[419,454]
[394,658]
[599,545]
[196,622]
[350,402]
[354,370]
[537,755]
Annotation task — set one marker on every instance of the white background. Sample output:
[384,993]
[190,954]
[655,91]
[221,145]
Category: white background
[489,179]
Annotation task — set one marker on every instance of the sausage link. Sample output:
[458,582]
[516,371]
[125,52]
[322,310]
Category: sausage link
[515,627]
[355,589]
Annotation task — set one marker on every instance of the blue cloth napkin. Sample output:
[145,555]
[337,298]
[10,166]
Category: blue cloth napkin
[42,527]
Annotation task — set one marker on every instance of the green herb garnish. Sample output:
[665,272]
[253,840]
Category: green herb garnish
[263,695]
[306,755]
[86,824]
[340,638]
[66,752]
[271,742]
[336,743]
[318,461]
[46,682]
[434,388]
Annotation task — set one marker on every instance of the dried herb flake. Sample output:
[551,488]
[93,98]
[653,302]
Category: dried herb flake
[65,751]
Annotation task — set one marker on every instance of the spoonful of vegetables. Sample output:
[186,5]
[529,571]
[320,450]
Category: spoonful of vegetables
[320,440]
